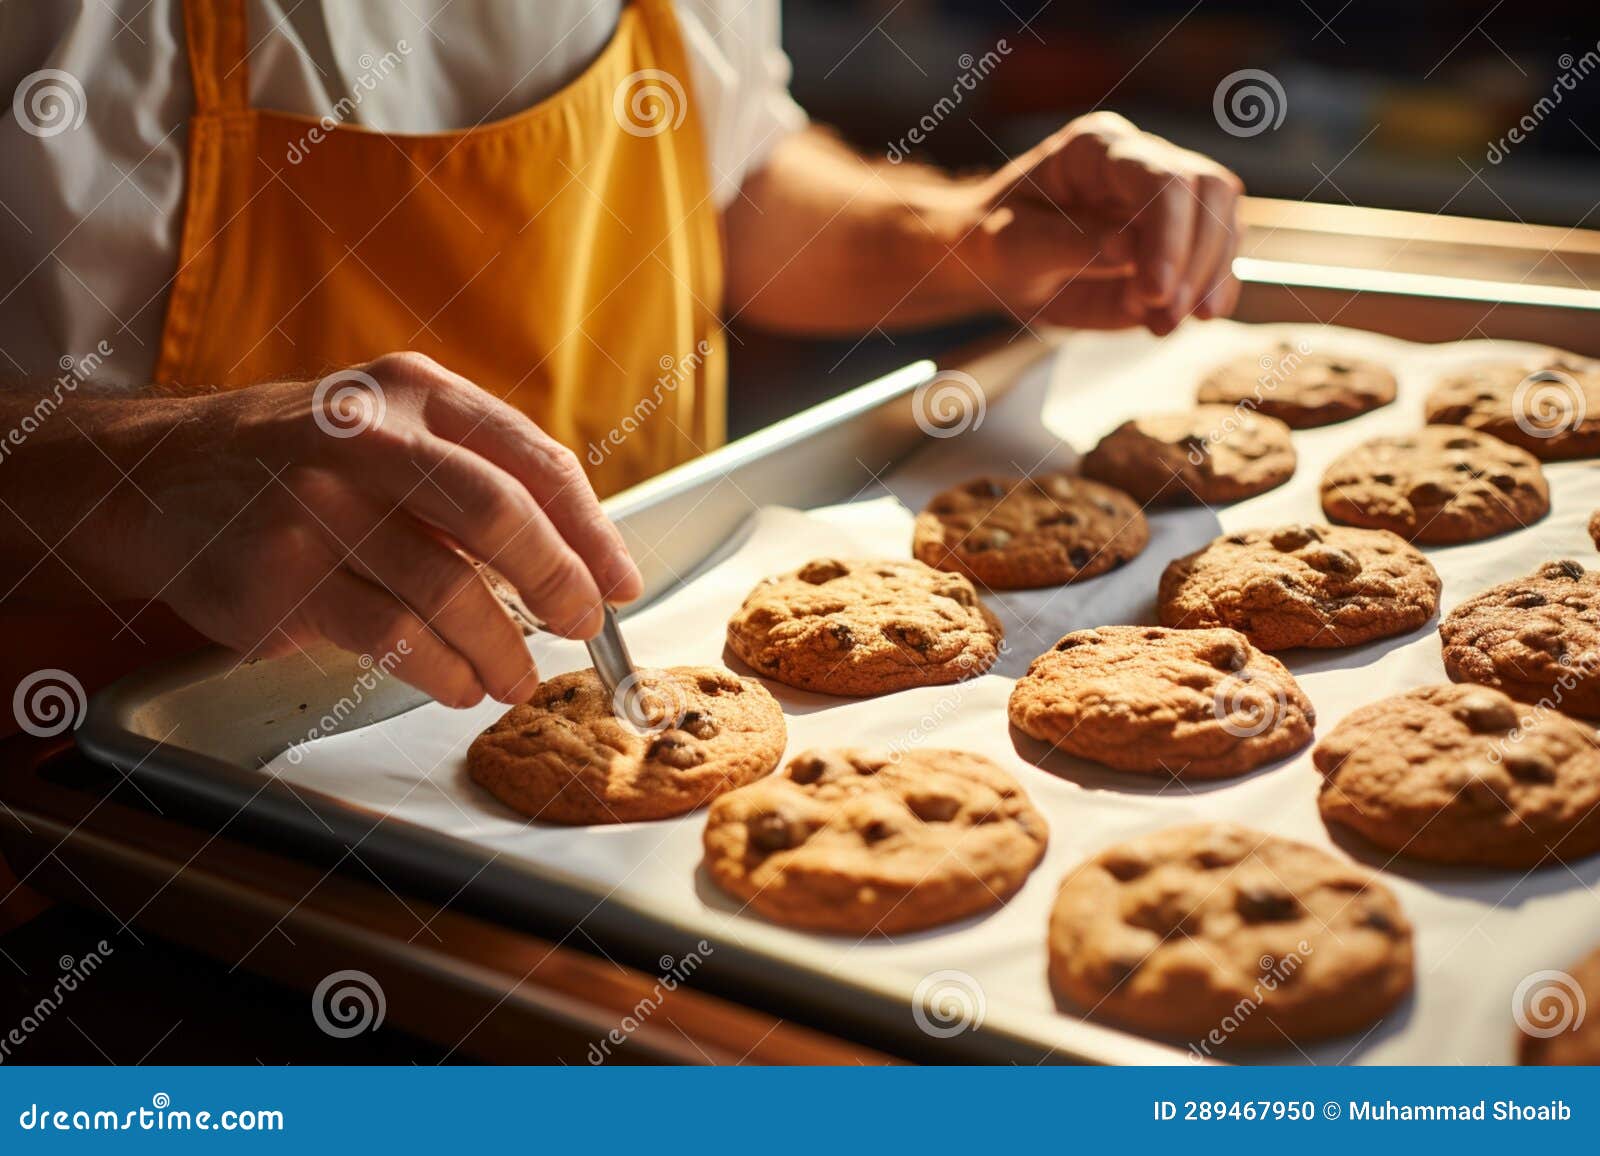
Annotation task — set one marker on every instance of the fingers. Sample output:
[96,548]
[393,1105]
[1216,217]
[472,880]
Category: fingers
[360,617]
[399,556]
[488,512]
[460,412]
[1040,249]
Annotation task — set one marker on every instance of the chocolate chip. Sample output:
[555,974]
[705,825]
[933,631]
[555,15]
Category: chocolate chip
[1108,508]
[699,724]
[719,683]
[1429,494]
[1484,712]
[991,540]
[1566,568]
[1526,599]
[932,808]
[1294,537]
[1530,767]
[1124,865]
[838,636]
[877,830]
[1331,560]
[772,832]
[1383,479]
[1379,920]
[1069,642]
[1079,556]
[1060,518]
[822,570]
[911,637]
[1266,905]
[1461,444]
[807,769]
[675,753]
[569,694]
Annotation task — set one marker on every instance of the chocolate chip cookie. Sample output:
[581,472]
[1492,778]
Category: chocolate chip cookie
[863,628]
[1209,455]
[1201,704]
[1559,1023]
[1301,390]
[1461,774]
[1221,935]
[565,757]
[1017,533]
[1441,484]
[1318,586]
[1536,638]
[855,843]
[1594,528]
[1549,404]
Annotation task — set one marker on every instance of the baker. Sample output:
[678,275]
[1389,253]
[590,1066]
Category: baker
[301,301]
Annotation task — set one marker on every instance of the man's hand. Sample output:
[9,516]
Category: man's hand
[1103,226]
[265,522]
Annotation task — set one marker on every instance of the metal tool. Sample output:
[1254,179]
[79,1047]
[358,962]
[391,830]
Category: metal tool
[609,653]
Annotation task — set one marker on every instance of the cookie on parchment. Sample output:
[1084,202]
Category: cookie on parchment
[1594,528]
[1536,638]
[1461,774]
[1557,1021]
[1301,390]
[1220,928]
[855,843]
[564,757]
[1547,404]
[1018,533]
[1441,484]
[1197,704]
[1209,455]
[1300,585]
[849,627]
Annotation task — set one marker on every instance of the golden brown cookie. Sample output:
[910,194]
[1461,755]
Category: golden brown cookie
[1461,774]
[1594,528]
[841,626]
[1548,404]
[1210,454]
[565,757]
[1318,586]
[1215,930]
[1201,704]
[1558,1015]
[1016,533]
[1536,638]
[1441,484]
[1301,390]
[856,843]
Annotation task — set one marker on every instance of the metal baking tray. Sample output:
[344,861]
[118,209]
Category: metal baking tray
[200,729]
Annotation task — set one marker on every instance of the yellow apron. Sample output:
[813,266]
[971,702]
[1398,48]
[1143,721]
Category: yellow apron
[566,258]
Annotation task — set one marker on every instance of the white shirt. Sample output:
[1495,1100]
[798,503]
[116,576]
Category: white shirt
[90,215]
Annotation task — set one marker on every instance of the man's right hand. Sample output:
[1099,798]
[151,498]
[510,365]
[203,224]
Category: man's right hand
[277,515]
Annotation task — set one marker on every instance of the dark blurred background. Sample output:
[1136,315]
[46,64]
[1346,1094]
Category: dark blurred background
[1391,104]
[1405,105]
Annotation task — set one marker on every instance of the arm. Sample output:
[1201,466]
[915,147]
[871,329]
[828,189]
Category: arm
[1098,226]
[273,516]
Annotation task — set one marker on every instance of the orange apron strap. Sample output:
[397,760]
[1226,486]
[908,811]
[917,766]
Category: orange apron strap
[219,54]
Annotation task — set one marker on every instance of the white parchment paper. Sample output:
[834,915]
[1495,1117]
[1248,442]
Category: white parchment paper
[1479,932]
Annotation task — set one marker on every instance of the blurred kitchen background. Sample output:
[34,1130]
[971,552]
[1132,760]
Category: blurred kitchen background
[1404,104]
